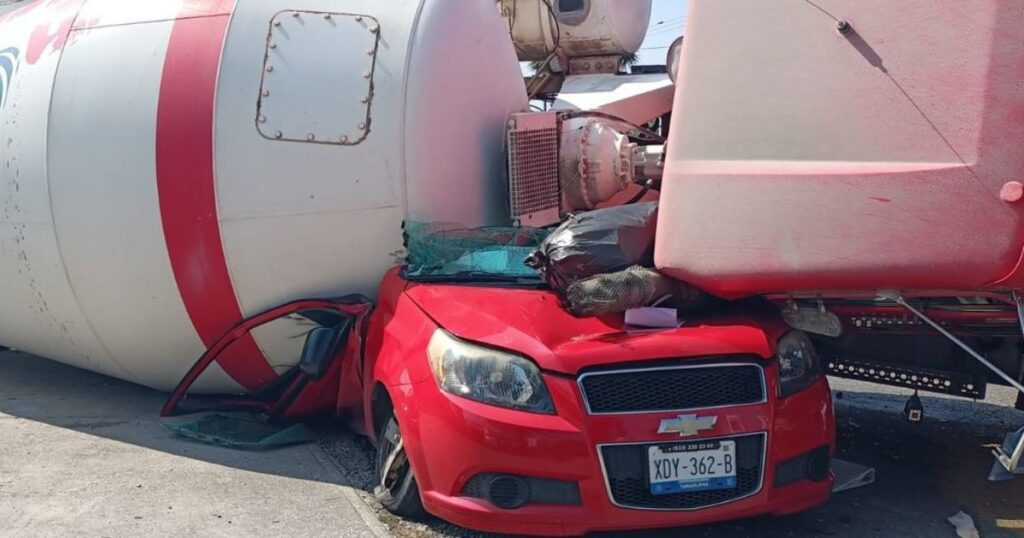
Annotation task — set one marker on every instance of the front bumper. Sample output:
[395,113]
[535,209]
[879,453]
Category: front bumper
[451,440]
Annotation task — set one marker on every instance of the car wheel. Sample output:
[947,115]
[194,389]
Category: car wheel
[396,487]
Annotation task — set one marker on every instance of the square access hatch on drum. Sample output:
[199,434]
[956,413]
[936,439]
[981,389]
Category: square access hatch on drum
[309,91]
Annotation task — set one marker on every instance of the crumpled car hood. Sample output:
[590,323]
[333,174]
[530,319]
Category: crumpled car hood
[531,322]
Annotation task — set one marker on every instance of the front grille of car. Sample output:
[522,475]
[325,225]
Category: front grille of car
[672,388]
[626,469]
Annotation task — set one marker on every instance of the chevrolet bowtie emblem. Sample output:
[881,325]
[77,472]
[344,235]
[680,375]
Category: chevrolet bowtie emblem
[687,425]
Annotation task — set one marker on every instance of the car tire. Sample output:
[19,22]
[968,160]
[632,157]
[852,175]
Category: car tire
[396,488]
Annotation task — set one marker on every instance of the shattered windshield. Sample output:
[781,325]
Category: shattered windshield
[451,252]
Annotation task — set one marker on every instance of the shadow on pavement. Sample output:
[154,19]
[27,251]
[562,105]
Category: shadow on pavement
[44,391]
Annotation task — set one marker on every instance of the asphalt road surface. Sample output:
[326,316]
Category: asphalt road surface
[82,454]
[85,455]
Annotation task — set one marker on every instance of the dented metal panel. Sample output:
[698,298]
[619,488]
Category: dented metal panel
[40,312]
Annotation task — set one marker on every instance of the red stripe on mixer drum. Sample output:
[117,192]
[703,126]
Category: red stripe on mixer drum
[187,191]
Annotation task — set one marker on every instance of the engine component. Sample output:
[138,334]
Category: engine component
[568,161]
[595,163]
[576,27]
[533,169]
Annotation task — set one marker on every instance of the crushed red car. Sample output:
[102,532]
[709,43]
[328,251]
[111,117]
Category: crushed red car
[493,408]
[498,411]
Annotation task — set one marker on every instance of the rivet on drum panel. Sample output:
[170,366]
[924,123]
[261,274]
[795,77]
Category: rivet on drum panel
[263,119]
[844,27]
[364,99]
[343,139]
[270,68]
[278,134]
[311,137]
[362,125]
[266,93]
[277,23]
[367,74]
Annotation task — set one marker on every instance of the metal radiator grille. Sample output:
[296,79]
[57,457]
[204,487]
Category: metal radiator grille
[673,388]
[533,168]
[626,472]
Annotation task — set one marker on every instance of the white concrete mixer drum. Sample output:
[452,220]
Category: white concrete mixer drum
[168,168]
[578,27]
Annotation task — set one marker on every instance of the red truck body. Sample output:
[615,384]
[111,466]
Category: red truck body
[806,156]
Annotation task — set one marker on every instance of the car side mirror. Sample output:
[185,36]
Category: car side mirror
[320,349]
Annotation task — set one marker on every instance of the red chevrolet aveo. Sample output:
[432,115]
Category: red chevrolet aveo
[494,409]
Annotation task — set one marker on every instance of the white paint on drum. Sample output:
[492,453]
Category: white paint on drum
[39,313]
[463,84]
[105,201]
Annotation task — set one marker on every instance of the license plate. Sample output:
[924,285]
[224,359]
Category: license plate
[697,466]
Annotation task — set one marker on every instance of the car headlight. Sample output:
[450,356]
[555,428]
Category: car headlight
[799,366]
[487,375]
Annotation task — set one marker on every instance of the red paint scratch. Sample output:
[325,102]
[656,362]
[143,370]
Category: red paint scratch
[880,199]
